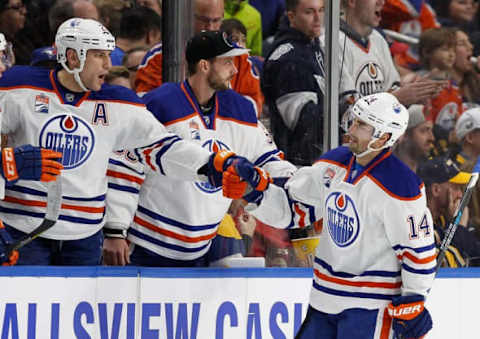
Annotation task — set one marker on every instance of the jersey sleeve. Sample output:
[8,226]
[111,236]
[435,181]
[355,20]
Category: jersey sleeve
[297,203]
[161,151]
[409,228]
[125,176]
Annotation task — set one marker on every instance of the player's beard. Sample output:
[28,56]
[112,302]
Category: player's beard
[217,83]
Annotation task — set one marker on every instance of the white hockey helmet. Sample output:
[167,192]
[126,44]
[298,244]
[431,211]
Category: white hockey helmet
[6,58]
[3,42]
[81,35]
[385,114]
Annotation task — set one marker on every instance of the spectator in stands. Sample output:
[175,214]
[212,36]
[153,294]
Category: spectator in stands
[367,59]
[250,17]
[437,54]
[12,20]
[237,32]
[155,5]
[293,80]
[467,131]
[444,187]
[111,13]
[410,17]
[12,17]
[140,27]
[208,15]
[63,10]
[44,57]
[457,13]
[132,60]
[465,73]
[417,141]
[118,75]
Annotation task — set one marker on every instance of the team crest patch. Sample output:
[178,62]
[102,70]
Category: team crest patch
[343,222]
[213,146]
[70,135]
[41,103]
[328,176]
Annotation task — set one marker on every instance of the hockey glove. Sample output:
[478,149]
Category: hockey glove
[411,320]
[30,163]
[243,180]
[5,242]
[217,164]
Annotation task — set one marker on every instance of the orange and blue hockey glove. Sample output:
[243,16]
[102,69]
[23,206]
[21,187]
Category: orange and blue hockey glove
[5,242]
[217,164]
[410,318]
[28,162]
[244,180]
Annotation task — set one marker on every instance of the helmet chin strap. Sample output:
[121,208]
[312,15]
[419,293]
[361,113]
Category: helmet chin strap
[369,149]
[76,74]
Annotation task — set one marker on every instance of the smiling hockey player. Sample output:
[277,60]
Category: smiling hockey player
[375,260]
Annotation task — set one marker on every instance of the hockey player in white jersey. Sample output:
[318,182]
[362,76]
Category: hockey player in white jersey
[375,261]
[25,162]
[367,59]
[175,222]
[72,111]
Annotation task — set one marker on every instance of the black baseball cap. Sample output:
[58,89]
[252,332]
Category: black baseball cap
[210,44]
[442,169]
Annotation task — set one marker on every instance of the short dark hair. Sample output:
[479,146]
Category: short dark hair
[292,4]
[230,25]
[61,11]
[137,22]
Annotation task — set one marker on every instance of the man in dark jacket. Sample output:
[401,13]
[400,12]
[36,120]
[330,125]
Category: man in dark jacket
[293,83]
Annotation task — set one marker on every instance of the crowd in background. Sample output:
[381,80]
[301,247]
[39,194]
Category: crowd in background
[442,141]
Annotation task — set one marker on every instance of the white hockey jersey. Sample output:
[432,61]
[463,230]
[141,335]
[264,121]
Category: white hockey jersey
[178,219]
[367,61]
[86,128]
[377,238]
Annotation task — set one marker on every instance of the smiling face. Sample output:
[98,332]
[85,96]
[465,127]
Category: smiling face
[96,68]
[462,10]
[360,133]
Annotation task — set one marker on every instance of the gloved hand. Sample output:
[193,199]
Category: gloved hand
[217,164]
[243,180]
[411,320]
[5,242]
[28,162]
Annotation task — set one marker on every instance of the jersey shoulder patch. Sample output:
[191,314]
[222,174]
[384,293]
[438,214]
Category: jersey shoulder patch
[280,51]
[26,76]
[116,93]
[397,179]
[340,156]
[168,103]
[235,106]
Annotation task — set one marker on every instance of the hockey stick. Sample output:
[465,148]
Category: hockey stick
[54,200]
[452,227]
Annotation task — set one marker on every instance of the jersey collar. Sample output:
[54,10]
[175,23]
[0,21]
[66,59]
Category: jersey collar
[187,90]
[367,169]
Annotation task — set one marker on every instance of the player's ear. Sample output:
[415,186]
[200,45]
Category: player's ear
[203,65]
[72,59]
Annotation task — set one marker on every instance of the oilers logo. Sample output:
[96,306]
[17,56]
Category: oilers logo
[70,135]
[370,79]
[343,222]
[213,146]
